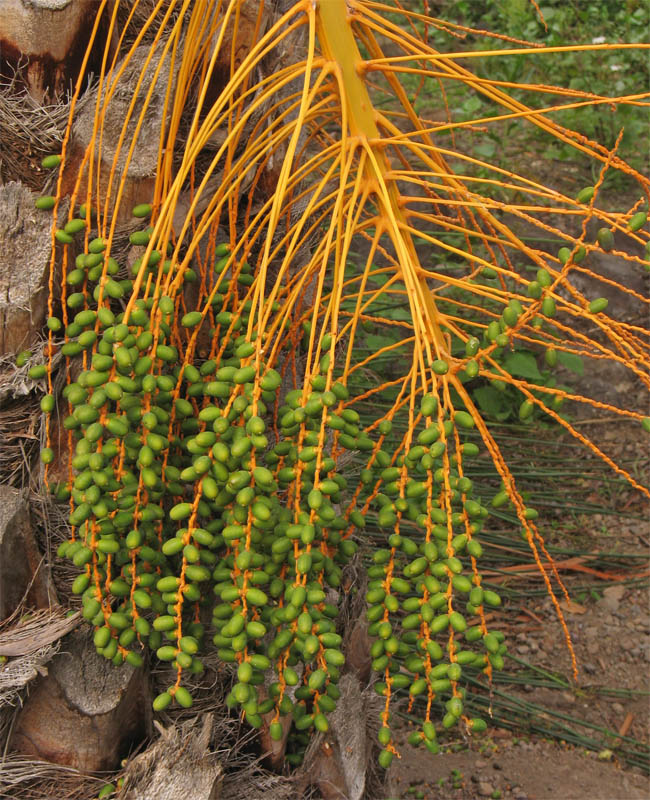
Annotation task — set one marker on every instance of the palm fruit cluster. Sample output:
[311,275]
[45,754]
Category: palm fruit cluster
[423,587]
[200,493]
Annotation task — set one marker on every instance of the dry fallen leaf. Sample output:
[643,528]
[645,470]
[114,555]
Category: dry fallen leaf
[572,607]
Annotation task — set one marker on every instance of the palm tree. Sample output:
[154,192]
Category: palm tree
[223,425]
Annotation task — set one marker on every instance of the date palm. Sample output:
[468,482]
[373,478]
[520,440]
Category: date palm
[299,198]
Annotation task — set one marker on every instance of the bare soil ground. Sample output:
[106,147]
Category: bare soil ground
[503,766]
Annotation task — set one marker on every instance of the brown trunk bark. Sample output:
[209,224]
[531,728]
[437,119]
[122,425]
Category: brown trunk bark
[25,242]
[23,575]
[43,42]
[179,766]
[85,712]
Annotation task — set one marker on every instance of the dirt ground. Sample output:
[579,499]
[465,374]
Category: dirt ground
[503,766]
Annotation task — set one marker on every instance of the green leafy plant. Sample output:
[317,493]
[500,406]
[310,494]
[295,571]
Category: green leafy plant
[558,24]
[299,217]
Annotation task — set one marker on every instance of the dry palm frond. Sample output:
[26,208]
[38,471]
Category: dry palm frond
[34,780]
[28,640]
[29,131]
[33,631]
[18,672]
[19,440]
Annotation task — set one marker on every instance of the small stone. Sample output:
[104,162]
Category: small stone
[485,789]
[612,596]
[618,708]
[590,668]
[522,649]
